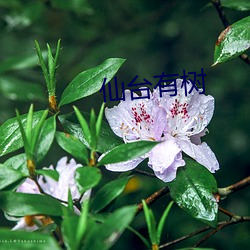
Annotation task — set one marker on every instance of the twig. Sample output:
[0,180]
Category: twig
[226,23]
[204,229]
[224,211]
[152,198]
[223,192]
[235,220]
[144,173]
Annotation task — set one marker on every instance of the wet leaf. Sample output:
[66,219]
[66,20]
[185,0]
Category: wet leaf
[90,81]
[126,152]
[107,138]
[9,175]
[105,235]
[232,41]
[108,193]
[20,204]
[87,177]
[193,191]
[10,136]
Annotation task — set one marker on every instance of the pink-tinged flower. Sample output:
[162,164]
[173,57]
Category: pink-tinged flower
[177,121]
[58,189]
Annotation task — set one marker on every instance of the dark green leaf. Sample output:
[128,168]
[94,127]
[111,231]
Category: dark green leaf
[46,137]
[20,204]
[87,177]
[127,152]
[106,234]
[232,41]
[18,162]
[9,175]
[53,174]
[107,139]
[19,90]
[90,81]
[162,221]
[108,193]
[16,240]
[193,191]
[69,230]
[241,5]
[73,146]
[10,136]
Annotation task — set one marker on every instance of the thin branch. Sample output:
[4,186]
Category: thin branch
[152,198]
[204,229]
[144,173]
[223,192]
[224,211]
[235,220]
[226,23]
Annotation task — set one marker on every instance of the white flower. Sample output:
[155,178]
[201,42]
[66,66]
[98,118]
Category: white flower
[58,189]
[178,121]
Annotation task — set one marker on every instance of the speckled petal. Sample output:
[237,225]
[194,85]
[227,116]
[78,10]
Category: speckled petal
[139,119]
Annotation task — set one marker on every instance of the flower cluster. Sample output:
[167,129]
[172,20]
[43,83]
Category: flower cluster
[58,189]
[178,122]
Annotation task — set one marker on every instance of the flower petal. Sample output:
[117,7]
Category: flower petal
[21,225]
[201,153]
[187,115]
[165,158]
[137,119]
[125,166]
[29,187]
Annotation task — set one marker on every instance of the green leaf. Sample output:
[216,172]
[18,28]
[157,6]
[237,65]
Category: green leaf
[193,191]
[53,174]
[108,193]
[73,146]
[84,125]
[151,223]
[74,228]
[90,81]
[127,152]
[10,136]
[16,240]
[19,90]
[162,222]
[99,121]
[92,127]
[69,230]
[143,239]
[20,204]
[232,41]
[8,176]
[18,162]
[46,138]
[241,5]
[105,235]
[107,139]
[87,177]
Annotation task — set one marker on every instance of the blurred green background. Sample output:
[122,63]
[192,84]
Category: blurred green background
[153,36]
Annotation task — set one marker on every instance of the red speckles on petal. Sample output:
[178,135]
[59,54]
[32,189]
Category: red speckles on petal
[140,114]
[179,109]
